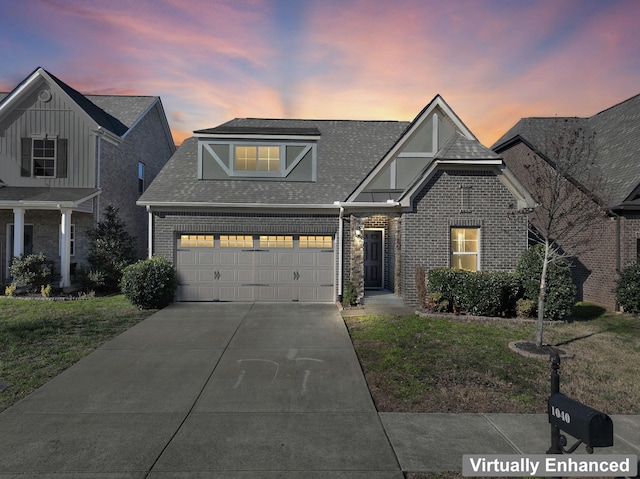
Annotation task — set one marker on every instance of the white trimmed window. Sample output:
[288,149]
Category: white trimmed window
[465,252]
[257,158]
[43,154]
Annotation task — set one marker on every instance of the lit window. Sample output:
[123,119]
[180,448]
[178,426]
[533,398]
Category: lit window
[257,158]
[196,241]
[464,248]
[234,241]
[276,241]
[316,242]
[44,157]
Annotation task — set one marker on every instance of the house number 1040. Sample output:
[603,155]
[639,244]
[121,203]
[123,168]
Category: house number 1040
[563,416]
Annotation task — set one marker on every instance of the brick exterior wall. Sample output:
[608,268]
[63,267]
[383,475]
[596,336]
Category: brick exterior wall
[594,268]
[119,174]
[46,234]
[425,232]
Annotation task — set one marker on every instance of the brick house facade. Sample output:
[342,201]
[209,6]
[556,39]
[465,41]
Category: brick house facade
[280,210]
[614,240]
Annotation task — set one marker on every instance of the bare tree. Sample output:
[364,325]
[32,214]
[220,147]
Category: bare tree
[569,188]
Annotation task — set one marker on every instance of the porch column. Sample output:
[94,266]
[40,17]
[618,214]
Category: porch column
[65,248]
[18,231]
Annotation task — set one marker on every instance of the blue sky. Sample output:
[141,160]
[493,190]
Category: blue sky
[493,61]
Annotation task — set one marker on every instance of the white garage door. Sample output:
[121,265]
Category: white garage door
[255,268]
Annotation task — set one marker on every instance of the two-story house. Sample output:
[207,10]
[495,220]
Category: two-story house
[64,157]
[295,210]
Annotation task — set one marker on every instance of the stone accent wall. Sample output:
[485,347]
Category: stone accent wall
[425,231]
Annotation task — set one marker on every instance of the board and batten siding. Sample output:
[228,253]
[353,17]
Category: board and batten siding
[59,117]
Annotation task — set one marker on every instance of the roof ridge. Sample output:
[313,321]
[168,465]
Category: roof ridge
[616,105]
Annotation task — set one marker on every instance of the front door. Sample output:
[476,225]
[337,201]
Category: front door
[373,274]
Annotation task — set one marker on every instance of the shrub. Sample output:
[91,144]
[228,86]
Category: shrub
[526,308]
[32,271]
[90,281]
[627,288]
[112,250]
[45,291]
[450,283]
[560,290]
[150,283]
[350,296]
[11,289]
[436,303]
[490,293]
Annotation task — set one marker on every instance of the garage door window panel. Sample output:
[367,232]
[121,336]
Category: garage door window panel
[236,241]
[276,241]
[196,241]
[325,242]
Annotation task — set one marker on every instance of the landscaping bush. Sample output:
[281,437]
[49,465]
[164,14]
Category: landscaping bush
[32,271]
[627,288]
[350,296]
[150,283]
[450,284]
[481,293]
[560,290]
[112,250]
[526,308]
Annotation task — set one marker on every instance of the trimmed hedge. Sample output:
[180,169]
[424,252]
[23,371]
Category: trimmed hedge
[150,283]
[627,289]
[482,293]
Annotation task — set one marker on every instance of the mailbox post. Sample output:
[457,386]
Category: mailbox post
[556,446]
[591,427]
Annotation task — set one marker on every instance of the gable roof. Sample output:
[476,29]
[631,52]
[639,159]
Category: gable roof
[617,142]
[116,114]
[346,150]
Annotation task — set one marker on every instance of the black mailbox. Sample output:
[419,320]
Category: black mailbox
[594,428]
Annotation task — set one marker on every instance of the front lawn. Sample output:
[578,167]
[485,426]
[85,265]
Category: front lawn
[463,364]
[40,339]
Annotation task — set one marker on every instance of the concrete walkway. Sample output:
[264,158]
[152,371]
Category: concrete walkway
[241,390]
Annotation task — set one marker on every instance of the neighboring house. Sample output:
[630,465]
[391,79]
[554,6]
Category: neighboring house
[64,157]
[295,210]
[615,242]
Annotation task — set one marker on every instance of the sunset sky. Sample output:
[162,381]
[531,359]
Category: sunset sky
[493,61]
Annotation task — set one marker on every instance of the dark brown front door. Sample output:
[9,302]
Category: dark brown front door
[373,259]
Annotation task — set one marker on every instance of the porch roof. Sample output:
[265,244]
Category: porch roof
[45,198]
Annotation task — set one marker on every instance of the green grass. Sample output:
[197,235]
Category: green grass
[40,339]
[464,364]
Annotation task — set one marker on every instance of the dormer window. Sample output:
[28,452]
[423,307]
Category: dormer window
[257,158]
[249,153]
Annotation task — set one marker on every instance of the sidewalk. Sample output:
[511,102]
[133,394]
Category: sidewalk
[243,391]
[437,442]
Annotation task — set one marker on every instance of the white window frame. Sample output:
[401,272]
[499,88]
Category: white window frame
[465,253]
[34,158]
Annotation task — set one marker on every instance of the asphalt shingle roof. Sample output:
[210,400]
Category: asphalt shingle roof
[617,143]
[347,151]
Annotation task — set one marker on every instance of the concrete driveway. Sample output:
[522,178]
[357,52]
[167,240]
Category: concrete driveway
[233,390]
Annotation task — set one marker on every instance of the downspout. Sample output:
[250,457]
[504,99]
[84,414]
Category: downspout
[340,253]
[618,252]
[98,166]
[150,231]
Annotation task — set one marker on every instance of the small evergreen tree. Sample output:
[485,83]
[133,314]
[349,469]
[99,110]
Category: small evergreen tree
[112,249]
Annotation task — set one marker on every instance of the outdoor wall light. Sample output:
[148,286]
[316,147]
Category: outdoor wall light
[358,232]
